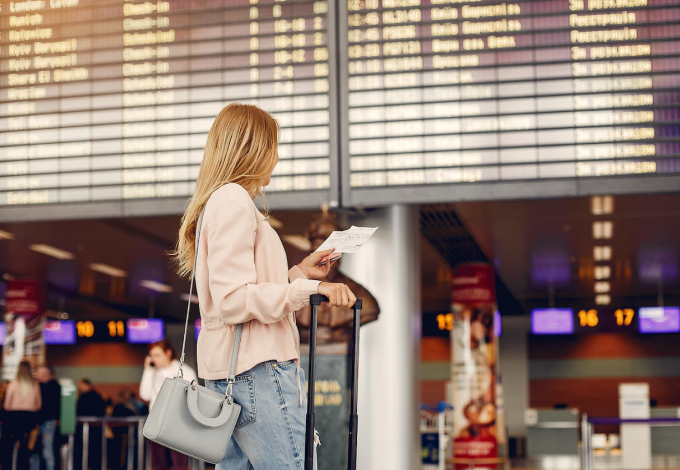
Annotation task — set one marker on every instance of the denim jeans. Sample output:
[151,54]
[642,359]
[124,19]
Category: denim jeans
[270,432]
[48,429]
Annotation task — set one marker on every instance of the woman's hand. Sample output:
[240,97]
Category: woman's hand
[339,295]
[310,265]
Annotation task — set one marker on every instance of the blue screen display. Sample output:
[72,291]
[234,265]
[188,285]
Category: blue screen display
[552,321]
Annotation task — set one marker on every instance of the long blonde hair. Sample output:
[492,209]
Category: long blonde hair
[25,378]
[242,147]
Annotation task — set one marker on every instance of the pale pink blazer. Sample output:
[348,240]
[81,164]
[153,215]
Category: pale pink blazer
[242,276]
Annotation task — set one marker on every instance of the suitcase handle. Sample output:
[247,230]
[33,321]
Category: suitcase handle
[314,301]
[318,299]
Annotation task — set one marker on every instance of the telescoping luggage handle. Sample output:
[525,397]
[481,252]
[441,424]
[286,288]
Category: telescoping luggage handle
[315,300]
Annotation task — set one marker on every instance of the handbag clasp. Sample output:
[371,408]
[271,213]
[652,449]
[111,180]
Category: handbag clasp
[229,391]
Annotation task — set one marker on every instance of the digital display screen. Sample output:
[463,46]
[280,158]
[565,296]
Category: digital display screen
[552,321]
[145,330]
[197,328]
[441,324]
[659,320]
[110,101]
[59,332]
[3,333]
[100,331]
[455,94]
[605,320]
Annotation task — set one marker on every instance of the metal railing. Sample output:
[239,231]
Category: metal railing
[587,455]
[135,444]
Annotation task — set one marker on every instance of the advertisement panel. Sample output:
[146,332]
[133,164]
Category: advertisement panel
[474,362]
[24,327]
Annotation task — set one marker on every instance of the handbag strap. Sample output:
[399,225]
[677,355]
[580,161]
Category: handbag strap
[239,328]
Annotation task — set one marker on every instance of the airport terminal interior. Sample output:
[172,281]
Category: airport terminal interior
[519,162]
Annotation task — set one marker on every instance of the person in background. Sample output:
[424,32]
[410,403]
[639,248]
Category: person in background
[21,405]
[90,403]
[161,363]
[3,426]
[124,408]
[50,391]
[140,405]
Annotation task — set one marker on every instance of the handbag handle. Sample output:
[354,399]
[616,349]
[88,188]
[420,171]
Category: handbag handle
[217,421]
[237,334]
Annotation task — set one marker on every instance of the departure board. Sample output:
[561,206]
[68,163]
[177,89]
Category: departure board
[112,100]
[449,100]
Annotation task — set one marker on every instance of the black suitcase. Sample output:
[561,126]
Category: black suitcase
[315,300]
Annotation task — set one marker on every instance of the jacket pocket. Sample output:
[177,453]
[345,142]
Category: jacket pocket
[214,349]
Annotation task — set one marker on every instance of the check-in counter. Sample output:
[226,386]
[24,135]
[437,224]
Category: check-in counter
[665,438]
[552,432]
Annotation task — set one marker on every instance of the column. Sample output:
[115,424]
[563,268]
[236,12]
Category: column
[389,266]
[513,362]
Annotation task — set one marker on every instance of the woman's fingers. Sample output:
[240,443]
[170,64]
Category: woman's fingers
[318,256]
[345,296]
[339,295]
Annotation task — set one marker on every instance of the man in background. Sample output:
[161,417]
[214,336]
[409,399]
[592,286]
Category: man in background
[49,416]
[90,403]
[125,407]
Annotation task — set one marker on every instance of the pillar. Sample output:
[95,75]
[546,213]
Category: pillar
[389,382]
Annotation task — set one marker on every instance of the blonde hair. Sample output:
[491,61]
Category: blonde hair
[25,378]
[242,147]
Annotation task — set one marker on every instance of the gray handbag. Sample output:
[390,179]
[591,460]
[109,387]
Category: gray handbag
[189,418]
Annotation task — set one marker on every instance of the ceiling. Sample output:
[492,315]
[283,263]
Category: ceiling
[139,247]
[532,244]
[544,246]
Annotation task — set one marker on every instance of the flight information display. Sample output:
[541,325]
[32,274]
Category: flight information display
[112,100]
[462,94]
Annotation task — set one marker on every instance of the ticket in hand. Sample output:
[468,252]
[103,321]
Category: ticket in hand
[346,241]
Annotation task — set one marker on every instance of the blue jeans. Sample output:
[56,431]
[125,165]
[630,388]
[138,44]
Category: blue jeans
[47,429]
[270,432]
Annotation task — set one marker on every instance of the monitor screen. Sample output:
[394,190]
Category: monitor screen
[145,330]
[497,325]
[451,100]
[659,320]
[406,101]
[60,332]
[552,321]
[3,333]
[104,101]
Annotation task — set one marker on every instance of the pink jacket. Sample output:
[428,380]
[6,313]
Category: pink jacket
[17,400]
[242,276]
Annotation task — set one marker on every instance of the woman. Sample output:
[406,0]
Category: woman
[21,405]
[162,362]
[242,276]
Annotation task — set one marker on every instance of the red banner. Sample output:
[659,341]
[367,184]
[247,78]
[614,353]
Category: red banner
[473,282]
[22,298]
[474,363]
